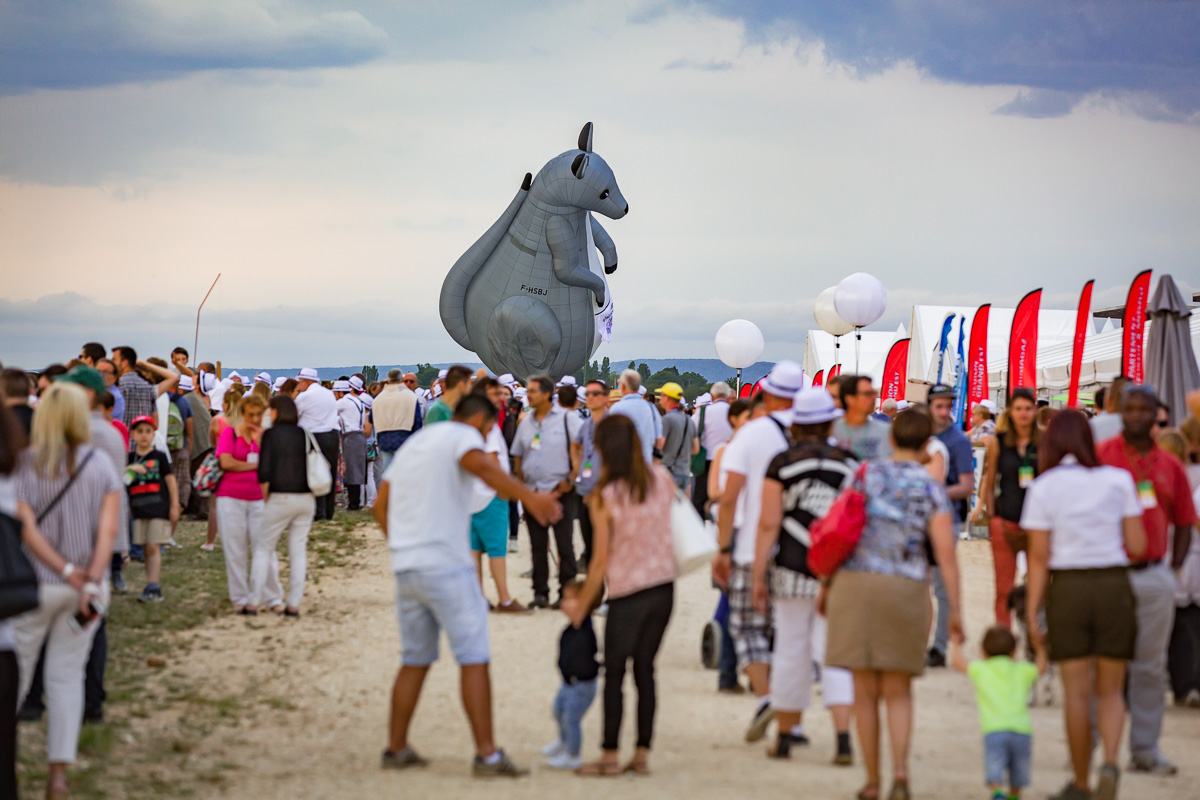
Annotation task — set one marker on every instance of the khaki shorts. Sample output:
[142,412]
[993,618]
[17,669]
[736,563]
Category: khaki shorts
[877,622]
[151,531]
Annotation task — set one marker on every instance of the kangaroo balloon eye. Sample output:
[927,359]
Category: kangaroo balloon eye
[604,195]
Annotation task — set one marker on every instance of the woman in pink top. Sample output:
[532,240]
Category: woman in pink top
[240,506]
[631,550]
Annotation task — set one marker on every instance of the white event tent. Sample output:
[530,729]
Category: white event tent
[1100,365]
[1056,328]
[873,349]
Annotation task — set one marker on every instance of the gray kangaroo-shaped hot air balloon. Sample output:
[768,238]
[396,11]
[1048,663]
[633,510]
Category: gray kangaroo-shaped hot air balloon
[523,297]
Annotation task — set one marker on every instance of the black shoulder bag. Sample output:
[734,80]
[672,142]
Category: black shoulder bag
[18,581]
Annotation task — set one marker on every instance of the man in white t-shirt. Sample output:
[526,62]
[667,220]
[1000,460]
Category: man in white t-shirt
[317,408]
[424,511]
[746,459]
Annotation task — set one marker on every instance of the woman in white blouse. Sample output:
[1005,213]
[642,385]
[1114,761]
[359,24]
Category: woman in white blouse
[1084,523]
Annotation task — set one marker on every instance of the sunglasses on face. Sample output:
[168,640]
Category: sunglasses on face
[1163,423]
[596,394]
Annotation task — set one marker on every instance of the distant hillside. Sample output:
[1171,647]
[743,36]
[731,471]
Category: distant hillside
[713,369]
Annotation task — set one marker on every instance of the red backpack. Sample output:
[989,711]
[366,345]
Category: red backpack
[835,536]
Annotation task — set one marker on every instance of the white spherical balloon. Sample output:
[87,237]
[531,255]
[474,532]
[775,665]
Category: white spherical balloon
[739,343]
[860,299]
[827,316]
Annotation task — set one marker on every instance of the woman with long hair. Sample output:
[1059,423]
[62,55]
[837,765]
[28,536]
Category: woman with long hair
[632,554]
[20,515]
[877,603]
[74,494]
[1084,523]
[288,503]
[240,507]
[1009,468]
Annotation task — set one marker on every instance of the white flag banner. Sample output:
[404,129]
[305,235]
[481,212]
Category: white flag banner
[604,322]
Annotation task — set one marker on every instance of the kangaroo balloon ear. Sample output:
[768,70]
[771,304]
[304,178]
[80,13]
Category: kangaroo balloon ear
[585,138]
[525,184]
[579,165]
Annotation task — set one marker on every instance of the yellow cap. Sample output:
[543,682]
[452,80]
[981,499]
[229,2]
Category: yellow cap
[671,390]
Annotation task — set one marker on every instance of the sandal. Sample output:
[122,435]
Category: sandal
[57,790]
[287,612]
[899,790]
[868,792]
[249,612]
[636,767]
[599,769]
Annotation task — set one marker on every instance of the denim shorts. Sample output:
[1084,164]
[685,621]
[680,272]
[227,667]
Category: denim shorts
[429,601]
[1006,752]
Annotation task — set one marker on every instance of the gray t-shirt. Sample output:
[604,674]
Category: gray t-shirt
[867,442]
[678,433]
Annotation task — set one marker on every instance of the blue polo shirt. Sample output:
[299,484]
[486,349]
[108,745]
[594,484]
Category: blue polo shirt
[645,419]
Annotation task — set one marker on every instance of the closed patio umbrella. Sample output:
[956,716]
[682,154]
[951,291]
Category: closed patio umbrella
[1170,360]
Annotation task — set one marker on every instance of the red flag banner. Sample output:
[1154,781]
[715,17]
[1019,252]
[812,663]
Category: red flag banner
[977,358]
[1081,321]
[837,370]
[1133,365]
[819,378]
[1022,343]
[895,372]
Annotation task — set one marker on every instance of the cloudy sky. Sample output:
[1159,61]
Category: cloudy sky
[332,160]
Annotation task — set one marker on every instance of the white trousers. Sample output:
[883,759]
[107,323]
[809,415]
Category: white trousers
[372,491]
[237,522]
[66,657]
[293,513]
[799,645]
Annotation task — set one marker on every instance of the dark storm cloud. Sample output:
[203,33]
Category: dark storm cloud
[1143,55]
[59,44]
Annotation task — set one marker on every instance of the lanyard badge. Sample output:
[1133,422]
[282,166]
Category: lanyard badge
[1146,494]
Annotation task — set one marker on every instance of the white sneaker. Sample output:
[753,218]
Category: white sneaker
[564,760]
[512,546]
[551,750]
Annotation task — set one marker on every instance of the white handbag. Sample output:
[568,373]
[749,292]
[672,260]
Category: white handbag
[320,479]
[694,544]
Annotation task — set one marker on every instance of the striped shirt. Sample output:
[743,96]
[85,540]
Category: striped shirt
[71,528]
[140,397]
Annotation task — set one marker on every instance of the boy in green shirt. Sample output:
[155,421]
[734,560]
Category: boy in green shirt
[1002,691]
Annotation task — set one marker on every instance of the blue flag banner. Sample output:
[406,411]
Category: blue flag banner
[943,343]
[961,385]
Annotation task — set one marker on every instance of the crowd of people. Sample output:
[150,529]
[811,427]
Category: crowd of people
[102,456]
